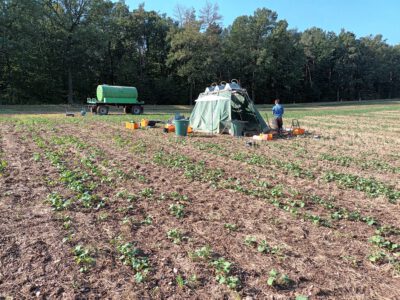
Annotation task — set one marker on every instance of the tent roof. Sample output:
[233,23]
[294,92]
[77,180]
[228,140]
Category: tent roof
[211,98]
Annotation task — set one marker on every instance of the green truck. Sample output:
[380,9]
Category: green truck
[119,96]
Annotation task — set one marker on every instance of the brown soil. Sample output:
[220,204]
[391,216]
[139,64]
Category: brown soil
[324,263]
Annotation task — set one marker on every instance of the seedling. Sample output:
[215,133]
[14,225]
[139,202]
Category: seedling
[175,235]
[147,192]
[103,217]
[250,241]
[134,257]
[148,220]
[177,210]
[128,220]
[68,238]
[57,202]
[231,227]
[202,253]
[67,222]
[179,197]
[83,258]
[377,257]
[222,269]
[263,247]
[277,279]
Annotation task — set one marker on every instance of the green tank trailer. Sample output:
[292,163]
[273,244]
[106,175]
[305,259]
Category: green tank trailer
[120,96]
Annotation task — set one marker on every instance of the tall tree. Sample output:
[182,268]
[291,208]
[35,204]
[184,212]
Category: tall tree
[69,17]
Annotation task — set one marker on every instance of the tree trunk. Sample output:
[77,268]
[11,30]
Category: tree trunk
[70,88]
[111,63]
[191,94]
[69,61]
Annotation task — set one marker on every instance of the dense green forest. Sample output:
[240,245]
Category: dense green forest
[58,51]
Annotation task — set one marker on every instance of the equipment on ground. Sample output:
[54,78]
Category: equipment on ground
[296,129]
[227,108]
[131,125]
[181,127]
[263,137]
[119,96]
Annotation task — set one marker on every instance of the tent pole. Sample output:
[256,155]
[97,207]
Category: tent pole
[212,119]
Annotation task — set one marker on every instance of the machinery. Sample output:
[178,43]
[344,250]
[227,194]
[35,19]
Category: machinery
[120,96]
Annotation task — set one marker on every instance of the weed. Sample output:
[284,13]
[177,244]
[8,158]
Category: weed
[3,166]
[180,281]
[36,157]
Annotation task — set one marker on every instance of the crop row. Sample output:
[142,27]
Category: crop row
[364,164]
[129,254]
[3,161]
[197,172]
[273,195]
[200,172]
[371,186]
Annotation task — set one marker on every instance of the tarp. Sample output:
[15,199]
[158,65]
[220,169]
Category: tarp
[215,111]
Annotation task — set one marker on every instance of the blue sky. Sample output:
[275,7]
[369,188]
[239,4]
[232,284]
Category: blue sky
[363,17]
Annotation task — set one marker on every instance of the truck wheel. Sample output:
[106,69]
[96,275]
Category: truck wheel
[102,110]
[137,110]
[128,109]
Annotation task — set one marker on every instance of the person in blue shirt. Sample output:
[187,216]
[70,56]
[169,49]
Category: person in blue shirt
[278,112]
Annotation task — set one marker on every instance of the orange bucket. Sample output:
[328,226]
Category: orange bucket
[144,123]
[131,125]
[190,129]
[266,137]
[298,131]
[170,127]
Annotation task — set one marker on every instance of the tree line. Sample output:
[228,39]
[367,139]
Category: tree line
[58,51]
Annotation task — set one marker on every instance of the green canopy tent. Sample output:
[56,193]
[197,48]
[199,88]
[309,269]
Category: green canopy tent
[221,108]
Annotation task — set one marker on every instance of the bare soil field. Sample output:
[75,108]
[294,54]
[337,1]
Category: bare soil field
[90,209]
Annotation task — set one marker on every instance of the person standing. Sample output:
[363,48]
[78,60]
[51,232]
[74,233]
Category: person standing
[278,112]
